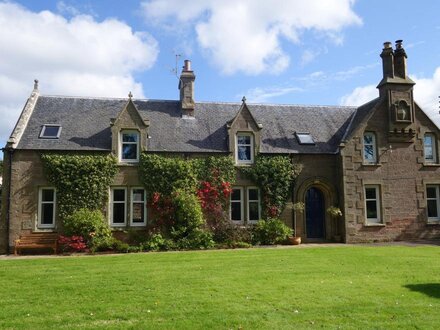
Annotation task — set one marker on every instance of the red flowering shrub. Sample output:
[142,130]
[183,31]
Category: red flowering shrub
[72,243]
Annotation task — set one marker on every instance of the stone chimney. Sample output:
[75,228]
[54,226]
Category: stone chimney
[400,60]
[186,87]
[387,60]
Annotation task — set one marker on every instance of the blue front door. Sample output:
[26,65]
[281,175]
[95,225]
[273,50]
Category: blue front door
[315,213]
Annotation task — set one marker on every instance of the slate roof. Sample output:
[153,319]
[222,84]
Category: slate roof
[86,125]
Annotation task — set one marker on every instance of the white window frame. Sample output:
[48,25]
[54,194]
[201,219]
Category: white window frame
[121,143]
[433,146]
[241,201]
[40,206]
[43,132]
[437,199]
[373,144]
[112,202]
[144,202]
[251,145]
[248,201]
[378,219]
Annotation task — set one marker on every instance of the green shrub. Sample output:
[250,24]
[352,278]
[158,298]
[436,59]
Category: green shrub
[157,242]
[225,232]
[89,224]
[108,243]
[188,214]
[270,232]
[197,239]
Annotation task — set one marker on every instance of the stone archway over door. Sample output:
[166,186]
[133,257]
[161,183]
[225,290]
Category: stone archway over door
[315,213]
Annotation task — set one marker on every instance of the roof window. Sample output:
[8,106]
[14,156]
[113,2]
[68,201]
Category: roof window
[50,132]
[304,138]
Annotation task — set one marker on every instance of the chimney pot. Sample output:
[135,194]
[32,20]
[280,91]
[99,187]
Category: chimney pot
[187,65]
[387,44]
[399,44]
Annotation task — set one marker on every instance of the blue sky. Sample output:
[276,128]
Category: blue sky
[322,52]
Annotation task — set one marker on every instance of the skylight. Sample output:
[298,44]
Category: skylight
[304,138]
[50,132]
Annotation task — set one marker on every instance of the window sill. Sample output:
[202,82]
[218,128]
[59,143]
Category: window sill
[45,230]
[374,225]
[128,164]
[371,164]
[433,222]
[431,164]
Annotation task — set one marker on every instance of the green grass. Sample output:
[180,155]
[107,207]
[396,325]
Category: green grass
[335,287]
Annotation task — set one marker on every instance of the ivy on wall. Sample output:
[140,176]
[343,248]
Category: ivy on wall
[81,181]
[275,176]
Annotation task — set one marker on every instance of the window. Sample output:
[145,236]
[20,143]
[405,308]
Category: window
[372,203]
[249,209]
[304,138]
[429,148]
[129,146]
[237,204]
[370,148]
[46,208]
[253,204]
[433,202]
[245,146]
[138,211]
[118,210]
[50,132]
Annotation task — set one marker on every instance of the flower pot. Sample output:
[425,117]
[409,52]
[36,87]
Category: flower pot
[295,240]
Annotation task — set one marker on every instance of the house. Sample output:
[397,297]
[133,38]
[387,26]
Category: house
[379,163]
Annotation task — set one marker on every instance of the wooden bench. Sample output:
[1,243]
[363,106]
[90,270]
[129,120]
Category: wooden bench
[37,241]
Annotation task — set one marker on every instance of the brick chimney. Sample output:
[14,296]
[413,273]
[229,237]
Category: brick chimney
[186,87]
[387,60]
[400,60]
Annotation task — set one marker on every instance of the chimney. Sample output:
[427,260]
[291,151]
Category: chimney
[186,87]
[400,60]
[387,60]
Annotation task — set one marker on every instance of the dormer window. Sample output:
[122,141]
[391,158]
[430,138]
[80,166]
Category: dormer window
[50,132]
[129,146]
[244,148]
[304,138]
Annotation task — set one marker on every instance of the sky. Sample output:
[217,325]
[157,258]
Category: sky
[316,52]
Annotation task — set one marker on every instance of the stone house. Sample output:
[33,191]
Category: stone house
[379,163]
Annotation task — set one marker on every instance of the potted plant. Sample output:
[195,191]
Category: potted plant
[335,213]
[297,207]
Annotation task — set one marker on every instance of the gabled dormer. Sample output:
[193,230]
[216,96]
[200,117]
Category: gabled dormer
[129,134]
[396,88]
[244,136]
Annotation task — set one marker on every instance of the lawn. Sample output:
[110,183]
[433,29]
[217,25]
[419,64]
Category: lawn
[283,288]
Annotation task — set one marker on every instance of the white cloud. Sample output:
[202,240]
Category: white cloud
[426,94]
[261,95]
[79,56]
[245,35]
[360,95]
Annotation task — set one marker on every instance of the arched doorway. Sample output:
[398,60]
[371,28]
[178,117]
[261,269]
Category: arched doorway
[315,213]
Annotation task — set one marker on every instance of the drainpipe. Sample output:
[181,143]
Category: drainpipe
[8,203]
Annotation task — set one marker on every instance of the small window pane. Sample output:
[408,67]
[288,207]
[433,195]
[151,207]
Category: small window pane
[47,214]
[370,193]
[118,213]
[254,214]
[50,131]
[243,139]
[138,212]
[236,211]
[432,209]
[129,151]
[236,195]
[244,153]
[431,192]
[129,137]
[371,210]
[369,152]
[119,195]
[138,195]
[368,138]
[253,194]
[428,140]
[48,195]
